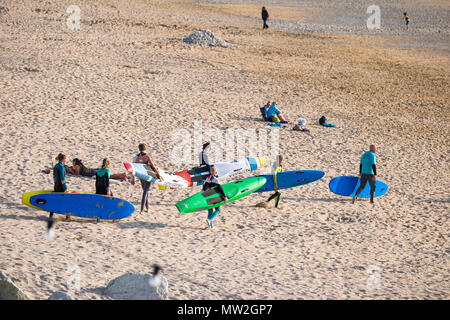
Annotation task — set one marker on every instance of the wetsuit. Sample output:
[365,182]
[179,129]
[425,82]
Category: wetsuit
[59,174]
[265,16]
[145,184]
[367,169]
[102,182]
[212,182]
[276,167]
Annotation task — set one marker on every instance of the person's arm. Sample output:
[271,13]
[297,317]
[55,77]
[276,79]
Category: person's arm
[108,190]
[152,165]
[62,177]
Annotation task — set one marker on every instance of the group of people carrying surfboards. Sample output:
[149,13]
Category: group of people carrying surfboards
[103,175]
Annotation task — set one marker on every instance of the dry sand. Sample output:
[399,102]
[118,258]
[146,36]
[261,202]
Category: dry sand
[126,77]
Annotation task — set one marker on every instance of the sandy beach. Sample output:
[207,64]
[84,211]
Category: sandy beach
[125,77]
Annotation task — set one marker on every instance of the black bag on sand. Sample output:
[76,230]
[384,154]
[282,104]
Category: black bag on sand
[322,120]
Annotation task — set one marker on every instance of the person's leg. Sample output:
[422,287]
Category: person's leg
[372,183]
[364,178]
[272,197]
[211,215]
[277,198]
[144,201]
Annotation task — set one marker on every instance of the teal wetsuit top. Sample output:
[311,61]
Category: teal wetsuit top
[102,181]
[59,174]
[368,162]
[272,111]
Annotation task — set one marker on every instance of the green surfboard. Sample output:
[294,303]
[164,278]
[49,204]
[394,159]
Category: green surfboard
[211,198]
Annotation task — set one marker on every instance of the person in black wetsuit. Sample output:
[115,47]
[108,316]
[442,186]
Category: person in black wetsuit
[265,16]
[212,182]
[145,158]
[102,179]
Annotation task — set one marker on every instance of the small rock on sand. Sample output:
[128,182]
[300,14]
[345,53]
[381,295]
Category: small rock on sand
[135,286]
[9,291]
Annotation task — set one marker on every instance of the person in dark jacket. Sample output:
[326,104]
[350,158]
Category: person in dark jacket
[265,16]
[212,182]
[102,177]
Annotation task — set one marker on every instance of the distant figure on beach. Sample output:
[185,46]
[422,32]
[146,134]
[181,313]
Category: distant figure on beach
[143,157]
[368,172]
[59,174]
[102,176]
[276,167]
[212,182]
[405,15]
[265,16]
[274,114]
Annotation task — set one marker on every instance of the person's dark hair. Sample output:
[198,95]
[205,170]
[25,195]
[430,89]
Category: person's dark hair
[60,157]
[205,145]
[142,147]
[80,163]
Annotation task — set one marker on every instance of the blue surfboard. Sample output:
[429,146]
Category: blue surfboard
[329,124]
[290,179]
[85,205]
[347,186]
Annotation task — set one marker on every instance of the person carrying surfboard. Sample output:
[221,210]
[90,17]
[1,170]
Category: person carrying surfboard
[102,176]
[143,157]
[212,182]
[368,172]
[59,174]
[276,167]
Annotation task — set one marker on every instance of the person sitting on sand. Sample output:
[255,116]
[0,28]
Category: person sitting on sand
[102,176]
[274,114]
[212,182]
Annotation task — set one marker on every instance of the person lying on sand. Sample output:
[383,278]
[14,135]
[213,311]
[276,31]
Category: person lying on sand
[79,169]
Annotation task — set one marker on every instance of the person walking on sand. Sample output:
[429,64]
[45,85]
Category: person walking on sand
[265,16]
[405,15]
[143,157]
[212,182]
[59,174]
[276,167]
[368,172]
